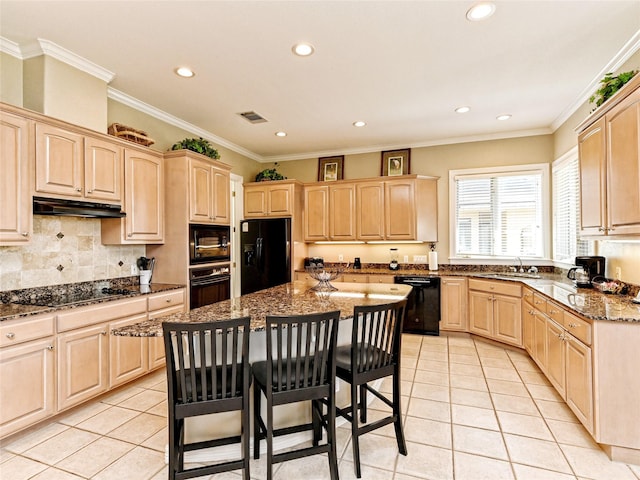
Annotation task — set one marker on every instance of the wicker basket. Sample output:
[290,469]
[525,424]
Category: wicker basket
[130,134]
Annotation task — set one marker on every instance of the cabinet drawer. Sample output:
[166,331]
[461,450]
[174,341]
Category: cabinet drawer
[540,303]
[354,278]
[527,295]
[503,288]
[83,316]
[165,300]
[555,312]
[579,328]
[21,330]
[303,277]
[381,279]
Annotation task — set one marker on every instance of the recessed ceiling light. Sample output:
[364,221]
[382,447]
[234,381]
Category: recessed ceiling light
[463,109]
[503,117]
[359,123]
[281,134]
[184,72]
[302,49]
[480,11]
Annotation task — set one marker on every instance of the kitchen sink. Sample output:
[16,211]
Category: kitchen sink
[511,275]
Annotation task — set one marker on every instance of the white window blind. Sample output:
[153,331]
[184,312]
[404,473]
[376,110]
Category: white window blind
[500,213]
[566,212]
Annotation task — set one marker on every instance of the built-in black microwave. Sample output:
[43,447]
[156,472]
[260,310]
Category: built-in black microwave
[209,243]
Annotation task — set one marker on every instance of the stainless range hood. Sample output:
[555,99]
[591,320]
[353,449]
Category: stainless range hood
[74,208]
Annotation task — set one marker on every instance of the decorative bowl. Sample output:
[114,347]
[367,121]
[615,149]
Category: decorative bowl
[606,285]
[325,275]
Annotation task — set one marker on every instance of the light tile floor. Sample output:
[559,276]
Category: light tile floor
[472,410]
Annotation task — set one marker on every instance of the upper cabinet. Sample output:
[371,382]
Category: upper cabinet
[209,187]
[609,149]
[271,199]
[73,165]
[15,181]
[143,202]
[398,209]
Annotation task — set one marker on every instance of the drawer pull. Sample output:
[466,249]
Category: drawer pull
[168,300]
[553,312]
[104,332]
[573,325]
[11,335]
[25,234]
[49,347]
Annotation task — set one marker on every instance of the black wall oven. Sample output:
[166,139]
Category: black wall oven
[209,243]
[209,285]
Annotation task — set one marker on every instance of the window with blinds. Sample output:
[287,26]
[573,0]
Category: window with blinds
[566,212]
[500,212]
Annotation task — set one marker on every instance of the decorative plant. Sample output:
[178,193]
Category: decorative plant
[269,174]
[199,145]
[610,85]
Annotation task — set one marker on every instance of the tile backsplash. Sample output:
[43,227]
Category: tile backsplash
[64,250]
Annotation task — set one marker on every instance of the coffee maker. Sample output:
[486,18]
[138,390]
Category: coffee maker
[594,266]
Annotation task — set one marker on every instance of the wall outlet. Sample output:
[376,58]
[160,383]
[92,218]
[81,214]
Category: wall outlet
[340,257]
[406,259]
[419,259]
[134,270]
[618,273]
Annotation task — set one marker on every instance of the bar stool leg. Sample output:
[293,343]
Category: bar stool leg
[256,424]
[402,446]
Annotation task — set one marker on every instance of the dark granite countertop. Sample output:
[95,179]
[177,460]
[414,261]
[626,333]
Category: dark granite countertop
[34,301]
[293,298]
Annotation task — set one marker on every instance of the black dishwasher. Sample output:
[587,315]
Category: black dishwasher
[423,305]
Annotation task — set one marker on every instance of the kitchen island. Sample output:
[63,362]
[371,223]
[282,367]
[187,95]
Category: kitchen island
[295,298]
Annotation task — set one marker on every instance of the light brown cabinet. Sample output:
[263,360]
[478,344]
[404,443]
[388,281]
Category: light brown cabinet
[209,196]
[27,370]
[342,212]
[159,305]
[397,210]
[495,310]
[74,165]
[609,149]
[453,304]
[271,199]
[143,202]
[16,134]
[316,213]
[128,356]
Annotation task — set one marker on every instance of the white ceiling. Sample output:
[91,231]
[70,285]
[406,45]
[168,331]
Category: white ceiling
[401,66]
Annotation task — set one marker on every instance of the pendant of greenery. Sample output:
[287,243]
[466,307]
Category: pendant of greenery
[610,85]
[269,174]
[199,145]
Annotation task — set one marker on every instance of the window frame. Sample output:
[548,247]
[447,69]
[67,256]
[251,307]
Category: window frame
[542,169]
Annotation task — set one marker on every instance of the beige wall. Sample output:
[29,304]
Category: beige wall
[623,254]
[165,135]
[61,91]
[10,79]
[433,161]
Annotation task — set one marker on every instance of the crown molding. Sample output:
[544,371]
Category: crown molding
[10,48]
[132,102]
[616,62]
[435,143]
[76,61]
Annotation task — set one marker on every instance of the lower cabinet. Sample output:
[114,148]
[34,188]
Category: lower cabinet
[495,310]
[579,381]
[128,356]
[453,304]
[27,391]
[83,364]
[555,364]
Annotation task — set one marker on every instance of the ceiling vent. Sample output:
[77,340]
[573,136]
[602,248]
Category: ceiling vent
[253,117]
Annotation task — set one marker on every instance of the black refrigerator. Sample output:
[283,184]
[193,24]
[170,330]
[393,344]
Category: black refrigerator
[265,245]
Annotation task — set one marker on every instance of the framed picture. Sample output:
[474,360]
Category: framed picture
[396,162]
[330,168]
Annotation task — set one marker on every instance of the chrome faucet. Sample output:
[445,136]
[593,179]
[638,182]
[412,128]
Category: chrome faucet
[521,270]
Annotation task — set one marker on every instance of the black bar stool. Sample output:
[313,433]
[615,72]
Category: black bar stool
[299,367]
[374,353]
[208,372]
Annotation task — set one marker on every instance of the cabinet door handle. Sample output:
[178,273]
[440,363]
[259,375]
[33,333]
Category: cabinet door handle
[78,189]
[10,335]
[49,347]
[573,325]
[89,191]
[104,332]
[25,234]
